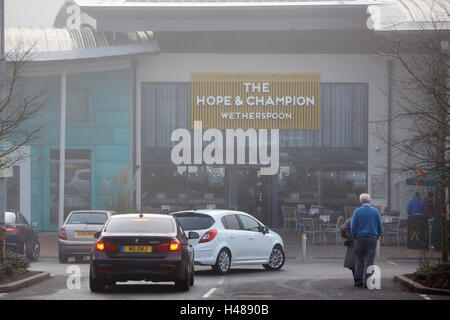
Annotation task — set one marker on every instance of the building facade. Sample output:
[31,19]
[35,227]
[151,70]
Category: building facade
[131,116]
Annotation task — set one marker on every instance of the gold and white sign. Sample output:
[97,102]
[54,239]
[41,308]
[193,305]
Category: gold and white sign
[286,101]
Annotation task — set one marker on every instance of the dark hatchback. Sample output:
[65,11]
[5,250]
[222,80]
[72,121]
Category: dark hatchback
[151,247]
[20,236]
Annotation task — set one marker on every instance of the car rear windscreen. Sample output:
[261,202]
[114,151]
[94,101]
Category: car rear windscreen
[141,225]
[194,221]
[10,217]
[87,218]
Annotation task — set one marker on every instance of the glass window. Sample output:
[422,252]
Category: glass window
[194,221]
[87,218]
[13,190]
[77,188]
[22,220]
[10,217]
[141,225]
[230,222]
[249,224]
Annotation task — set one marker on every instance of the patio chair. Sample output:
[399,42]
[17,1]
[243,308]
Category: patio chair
[394,229]
[310,229]
[289,216]
[333,228]
[348,210]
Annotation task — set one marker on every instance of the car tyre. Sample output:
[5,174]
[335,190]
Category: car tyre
[192,280]
[62,257]
[276,259]
[96,284]
[33,254]
[183,284]
[223,262]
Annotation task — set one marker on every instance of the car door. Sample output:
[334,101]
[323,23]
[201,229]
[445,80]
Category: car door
[235,237]
[258,244]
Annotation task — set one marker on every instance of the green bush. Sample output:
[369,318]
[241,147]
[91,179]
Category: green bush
[435,276]
[6,269]
[18,261]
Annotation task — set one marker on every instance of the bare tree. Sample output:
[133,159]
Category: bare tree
[18,104]
[420,85]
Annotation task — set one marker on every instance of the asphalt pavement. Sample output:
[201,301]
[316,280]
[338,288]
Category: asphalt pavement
[298,280]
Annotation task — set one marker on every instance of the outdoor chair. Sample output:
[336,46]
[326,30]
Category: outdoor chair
[394,229]
[289,216]
[309,228]
[333,228]
[349,211]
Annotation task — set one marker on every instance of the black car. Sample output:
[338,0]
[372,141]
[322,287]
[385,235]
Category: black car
[151,247]
[20,237]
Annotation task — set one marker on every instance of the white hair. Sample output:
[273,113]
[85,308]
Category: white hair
[364,198]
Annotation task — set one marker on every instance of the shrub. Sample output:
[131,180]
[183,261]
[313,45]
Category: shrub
[6,268]
[437,276]
[18,261]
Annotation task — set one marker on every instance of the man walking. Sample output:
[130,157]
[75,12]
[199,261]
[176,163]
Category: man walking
[365,229]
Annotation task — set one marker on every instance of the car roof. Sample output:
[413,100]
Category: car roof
[92,211]
[141,215]
[213,212]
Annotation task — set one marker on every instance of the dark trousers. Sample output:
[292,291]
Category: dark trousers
[365,248]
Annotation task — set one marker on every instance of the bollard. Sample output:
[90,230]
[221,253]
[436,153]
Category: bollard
[378,249]
[304,238]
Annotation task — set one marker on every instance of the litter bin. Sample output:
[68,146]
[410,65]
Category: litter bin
[417,232]
[436,233]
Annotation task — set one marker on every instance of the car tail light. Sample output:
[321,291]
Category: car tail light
[208,236]
[104,246]
[62,234]
[12,229]
[173,245]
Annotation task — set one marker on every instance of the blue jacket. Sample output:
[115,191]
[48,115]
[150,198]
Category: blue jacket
[416,206]
[366,222]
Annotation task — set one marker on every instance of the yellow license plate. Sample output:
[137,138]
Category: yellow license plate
[85,234]
[137,249]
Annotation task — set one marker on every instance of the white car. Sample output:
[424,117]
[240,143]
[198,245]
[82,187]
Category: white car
[225,238]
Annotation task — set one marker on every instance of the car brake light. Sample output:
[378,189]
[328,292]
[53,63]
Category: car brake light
[102,246]
[173,245]
[208,236]
[62,234]
[12,229]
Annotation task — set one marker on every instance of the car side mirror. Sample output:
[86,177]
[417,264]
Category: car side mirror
[193,235]
[97,234]
[265,230]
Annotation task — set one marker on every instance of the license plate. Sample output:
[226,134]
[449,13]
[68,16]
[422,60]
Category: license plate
[138,249]
[85,234]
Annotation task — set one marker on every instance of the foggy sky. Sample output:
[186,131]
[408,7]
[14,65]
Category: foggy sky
[32,13]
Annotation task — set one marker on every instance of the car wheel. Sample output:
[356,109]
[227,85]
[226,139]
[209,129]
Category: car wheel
[96,284]
[276,259]
[34,252]
[191,282]
[223,262]
[62,258]
[183,284]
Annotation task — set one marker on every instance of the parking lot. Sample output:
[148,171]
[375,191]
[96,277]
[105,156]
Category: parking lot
[319,277]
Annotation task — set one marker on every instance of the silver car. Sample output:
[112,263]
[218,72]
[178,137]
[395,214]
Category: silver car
[76,237]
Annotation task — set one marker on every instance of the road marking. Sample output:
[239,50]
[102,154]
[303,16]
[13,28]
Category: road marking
[393,263]
[425,296]
[210,292]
